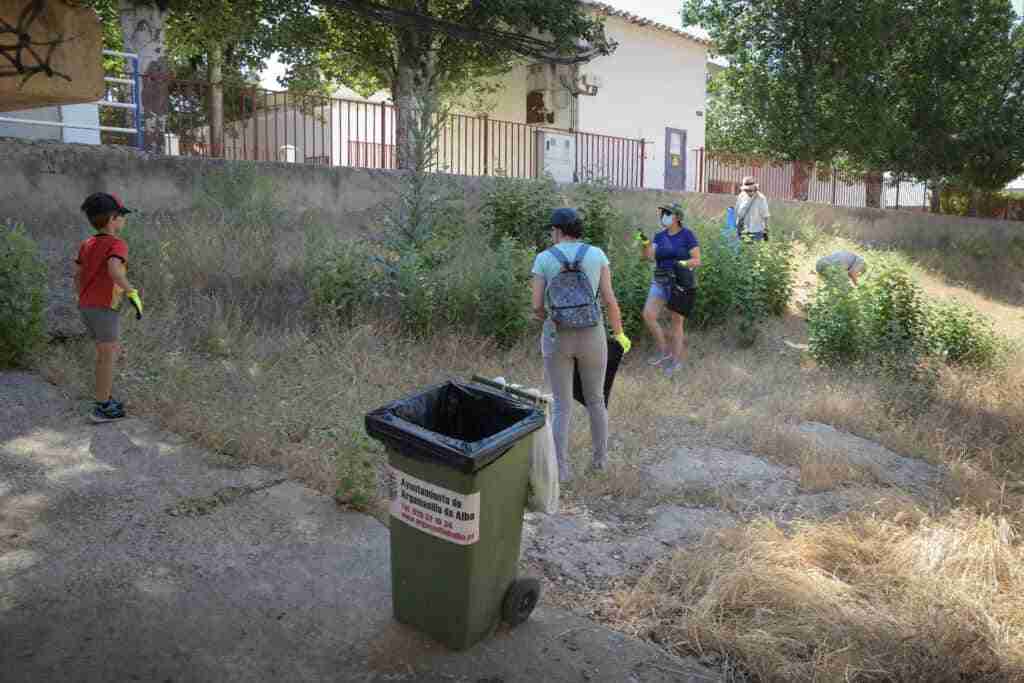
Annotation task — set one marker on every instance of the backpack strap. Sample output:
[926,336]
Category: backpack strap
[561,258]
[578,261]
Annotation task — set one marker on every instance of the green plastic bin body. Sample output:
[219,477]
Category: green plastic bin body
[454,592]
[460,457]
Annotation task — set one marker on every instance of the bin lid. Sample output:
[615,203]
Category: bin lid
[461,425]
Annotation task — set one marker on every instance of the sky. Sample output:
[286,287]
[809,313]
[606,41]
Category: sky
[662,11]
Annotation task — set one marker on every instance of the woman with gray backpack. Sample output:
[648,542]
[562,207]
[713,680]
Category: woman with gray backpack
[567,279]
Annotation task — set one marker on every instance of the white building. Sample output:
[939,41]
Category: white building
[652,88]
[632,117]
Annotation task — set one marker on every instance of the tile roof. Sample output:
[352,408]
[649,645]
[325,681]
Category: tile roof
[605,8]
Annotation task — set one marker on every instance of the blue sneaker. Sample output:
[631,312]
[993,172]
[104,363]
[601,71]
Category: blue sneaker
[673,367]
[108,411]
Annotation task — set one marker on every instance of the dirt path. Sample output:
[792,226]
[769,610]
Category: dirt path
[686,493]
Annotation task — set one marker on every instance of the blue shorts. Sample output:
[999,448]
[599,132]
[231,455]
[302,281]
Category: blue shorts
[658,291]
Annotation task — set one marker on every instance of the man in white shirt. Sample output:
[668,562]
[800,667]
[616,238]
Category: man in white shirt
[752,212]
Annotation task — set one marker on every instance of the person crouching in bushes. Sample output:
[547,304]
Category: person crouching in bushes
[676,252]
[853,265]
[566,281]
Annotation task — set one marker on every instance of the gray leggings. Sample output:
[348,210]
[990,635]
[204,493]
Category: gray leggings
[589,347]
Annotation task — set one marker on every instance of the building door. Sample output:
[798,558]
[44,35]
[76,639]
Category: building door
[675,159]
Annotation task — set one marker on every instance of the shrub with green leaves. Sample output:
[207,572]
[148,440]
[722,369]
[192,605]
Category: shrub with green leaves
[341,278]
[962,336]
[22,297]
[834,325]
[746,281]
[631,279]
[520,209]
[601,220]
[894,311]
[889,321]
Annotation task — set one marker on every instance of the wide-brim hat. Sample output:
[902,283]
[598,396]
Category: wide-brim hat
[675,208]
[749,183]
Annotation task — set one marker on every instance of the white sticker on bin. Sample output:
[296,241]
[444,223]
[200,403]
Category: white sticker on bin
[434,510]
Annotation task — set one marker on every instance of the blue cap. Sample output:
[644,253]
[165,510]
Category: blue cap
[564,216]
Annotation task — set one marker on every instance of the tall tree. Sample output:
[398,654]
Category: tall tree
[421,49]
[142,23]
[930,89]
[220,34]
[956,92]
[800,73]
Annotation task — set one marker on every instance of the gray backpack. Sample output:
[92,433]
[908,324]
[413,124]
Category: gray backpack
[570,293]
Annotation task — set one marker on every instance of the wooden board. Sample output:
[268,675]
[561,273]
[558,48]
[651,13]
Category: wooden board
[75,62]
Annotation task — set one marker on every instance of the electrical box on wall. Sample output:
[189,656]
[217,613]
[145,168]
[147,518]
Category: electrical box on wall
[556,155]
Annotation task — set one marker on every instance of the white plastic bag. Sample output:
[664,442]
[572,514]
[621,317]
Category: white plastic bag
[544,471]
[544,490]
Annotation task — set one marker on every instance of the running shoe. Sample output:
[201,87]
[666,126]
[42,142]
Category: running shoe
[673,367]
[108,411]
[658,359]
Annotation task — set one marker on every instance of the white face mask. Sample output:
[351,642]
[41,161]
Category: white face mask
[666,220]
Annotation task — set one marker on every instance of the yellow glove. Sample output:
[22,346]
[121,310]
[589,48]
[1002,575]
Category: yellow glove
[641,238]
[623,342]
[133,297]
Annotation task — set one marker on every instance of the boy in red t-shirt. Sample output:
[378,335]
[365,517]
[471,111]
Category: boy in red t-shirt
[101,282]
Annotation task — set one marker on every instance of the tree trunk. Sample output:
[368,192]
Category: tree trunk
[142,23]
[873,190]
[416,82]
[215,68]
[936,198]
[801,185]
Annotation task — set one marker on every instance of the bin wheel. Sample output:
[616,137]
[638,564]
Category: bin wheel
[522,596]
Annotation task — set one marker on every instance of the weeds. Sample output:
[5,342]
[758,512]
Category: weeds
[22,297]
[889,321]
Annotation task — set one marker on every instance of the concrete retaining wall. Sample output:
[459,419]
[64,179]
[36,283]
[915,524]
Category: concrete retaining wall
[43,183]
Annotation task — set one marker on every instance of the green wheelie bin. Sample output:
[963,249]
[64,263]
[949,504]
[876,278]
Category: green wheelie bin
[459,462]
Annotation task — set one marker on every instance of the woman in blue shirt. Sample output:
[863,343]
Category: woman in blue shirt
[674,250]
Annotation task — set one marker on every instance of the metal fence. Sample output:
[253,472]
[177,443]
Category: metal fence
[263,125]
[723,174]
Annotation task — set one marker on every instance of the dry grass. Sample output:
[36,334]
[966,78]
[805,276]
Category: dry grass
[900,598]
[896,596]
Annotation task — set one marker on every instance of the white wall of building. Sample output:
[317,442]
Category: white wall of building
[655,79]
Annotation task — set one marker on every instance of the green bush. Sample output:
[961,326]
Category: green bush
[894,311]
[341,279]
[961,336]
[740,281]
[888,321]
[631,279]
[520,209]
[22,297]
[496,295]
[834,326]
[600,219]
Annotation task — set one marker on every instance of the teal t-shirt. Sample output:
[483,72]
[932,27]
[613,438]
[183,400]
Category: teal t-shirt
[594,260]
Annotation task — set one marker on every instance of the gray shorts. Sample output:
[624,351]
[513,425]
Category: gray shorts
[103,324]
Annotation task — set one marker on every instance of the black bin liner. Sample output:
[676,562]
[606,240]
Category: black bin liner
[465,426]
[615,354]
